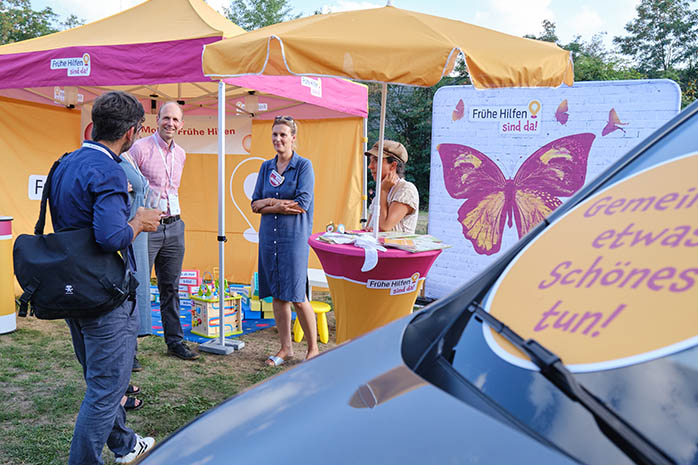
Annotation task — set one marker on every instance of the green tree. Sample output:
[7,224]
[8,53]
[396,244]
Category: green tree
[592,62]
[663,36]
[19,22]
[548,35]
[255,14]
[71,22]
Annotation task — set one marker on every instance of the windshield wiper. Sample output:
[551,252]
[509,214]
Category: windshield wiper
[633,443]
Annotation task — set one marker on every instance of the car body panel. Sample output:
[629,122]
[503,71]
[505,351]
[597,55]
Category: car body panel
[316,412]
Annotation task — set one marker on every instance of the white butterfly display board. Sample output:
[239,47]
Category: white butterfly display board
[503,159]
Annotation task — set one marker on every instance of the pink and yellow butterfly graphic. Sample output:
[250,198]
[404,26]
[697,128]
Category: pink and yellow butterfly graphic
[459,112]
[558,169]
[561,114]
[613,124]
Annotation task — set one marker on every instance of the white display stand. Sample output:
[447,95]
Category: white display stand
[509,126]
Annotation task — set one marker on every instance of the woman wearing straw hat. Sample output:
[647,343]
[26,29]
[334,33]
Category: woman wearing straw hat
[283,196]
[399,199]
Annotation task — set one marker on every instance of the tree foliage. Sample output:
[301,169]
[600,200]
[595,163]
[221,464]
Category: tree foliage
[593,62]
[549,33]
[662,37]
[18,21]
[255,14]
[71,22]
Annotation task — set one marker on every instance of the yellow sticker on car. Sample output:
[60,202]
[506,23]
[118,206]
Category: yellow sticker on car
[614,281]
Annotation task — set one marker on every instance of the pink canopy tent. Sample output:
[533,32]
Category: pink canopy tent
[153,50]
[158,41]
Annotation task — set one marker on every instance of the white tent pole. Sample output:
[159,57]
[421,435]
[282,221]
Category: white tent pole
[221,209]
[379,172]
[220,346]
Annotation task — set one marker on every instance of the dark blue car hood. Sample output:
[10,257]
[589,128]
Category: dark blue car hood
[358,403]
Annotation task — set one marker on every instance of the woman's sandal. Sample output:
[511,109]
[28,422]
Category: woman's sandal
[274,361]
[132,390]
[133,404]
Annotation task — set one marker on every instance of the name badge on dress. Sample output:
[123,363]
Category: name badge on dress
[275,179]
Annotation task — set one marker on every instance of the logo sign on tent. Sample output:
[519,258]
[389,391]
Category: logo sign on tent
[613,282]
[199,134]
[78,66]
[504,159]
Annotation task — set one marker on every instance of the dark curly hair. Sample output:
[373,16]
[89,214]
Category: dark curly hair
[113,114]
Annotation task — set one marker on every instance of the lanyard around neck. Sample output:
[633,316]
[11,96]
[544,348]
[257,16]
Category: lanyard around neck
[98,147]
[169,174]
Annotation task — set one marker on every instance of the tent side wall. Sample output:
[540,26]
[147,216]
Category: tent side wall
[32,136]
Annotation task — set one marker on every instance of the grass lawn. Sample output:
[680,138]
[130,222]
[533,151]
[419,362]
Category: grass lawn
[42,386]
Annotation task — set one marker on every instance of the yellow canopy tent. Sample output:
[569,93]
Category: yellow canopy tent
[153,51]
[389,45]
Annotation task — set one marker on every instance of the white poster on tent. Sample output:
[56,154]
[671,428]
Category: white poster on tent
[501,160]
[199,134]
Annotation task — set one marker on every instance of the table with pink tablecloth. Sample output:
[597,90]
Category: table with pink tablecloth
[364,301]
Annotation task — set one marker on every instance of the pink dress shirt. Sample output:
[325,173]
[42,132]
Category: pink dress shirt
[163,174]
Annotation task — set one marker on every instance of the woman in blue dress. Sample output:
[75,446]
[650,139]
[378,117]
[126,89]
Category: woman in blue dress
[283,196]
[137,195]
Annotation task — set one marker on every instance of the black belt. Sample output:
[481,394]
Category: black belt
[169,219]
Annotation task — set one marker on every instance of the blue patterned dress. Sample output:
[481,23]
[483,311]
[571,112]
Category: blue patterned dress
[140,248]
[283,239]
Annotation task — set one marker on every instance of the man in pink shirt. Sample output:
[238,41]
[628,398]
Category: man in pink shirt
[161,161]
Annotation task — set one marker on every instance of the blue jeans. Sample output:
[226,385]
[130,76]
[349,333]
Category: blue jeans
[105,347]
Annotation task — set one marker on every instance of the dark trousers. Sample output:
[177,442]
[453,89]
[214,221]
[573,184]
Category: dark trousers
[166,253]
[104,346]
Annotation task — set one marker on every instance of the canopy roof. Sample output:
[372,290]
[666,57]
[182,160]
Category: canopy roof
[152,50]
[152,21]
[389,45]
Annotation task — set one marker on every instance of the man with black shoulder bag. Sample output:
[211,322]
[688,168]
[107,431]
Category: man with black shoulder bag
[87,190]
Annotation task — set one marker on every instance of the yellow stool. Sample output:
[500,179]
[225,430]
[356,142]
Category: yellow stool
[320,308]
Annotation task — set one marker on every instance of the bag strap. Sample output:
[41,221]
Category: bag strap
[27,295]
[39,227]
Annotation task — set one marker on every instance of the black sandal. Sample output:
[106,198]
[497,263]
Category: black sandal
[132,390]
[133,404]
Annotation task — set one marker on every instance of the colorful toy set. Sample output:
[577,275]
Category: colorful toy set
[199,292]
[205,315]
[205,309]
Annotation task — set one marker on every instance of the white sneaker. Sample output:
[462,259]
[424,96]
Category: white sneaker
[143,445]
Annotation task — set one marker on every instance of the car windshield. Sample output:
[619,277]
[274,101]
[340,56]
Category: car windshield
[658,397]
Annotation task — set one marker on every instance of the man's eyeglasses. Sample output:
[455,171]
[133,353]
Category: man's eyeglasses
[139,127]
[283,118]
